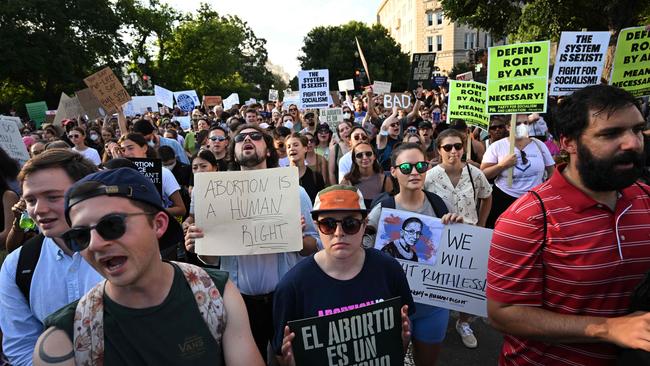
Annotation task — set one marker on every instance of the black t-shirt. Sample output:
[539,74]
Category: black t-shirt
[312,182]
[306,291]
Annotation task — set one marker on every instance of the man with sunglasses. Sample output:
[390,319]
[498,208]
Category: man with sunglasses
[218,144]
[58,275]
[357,135]
[497,130]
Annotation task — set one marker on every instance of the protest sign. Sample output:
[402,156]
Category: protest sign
[422,70]
[291,98]
[466,76]
[231,101]
[186,100]
[250,101]
[631,69]
[579,61]
[314,88]
[332,116]
[164,96]
[517,78]
[273,95]
[11,141]
[49,116]
[108,89]
[345,85]
[467,102]
[248,212]
[152,169]
[450,269]
[439,80]
[90,103]
[68,108]
[15,120]
[211,101]
[381,87]
[140,105]
[36,111]
[397,100]
[185,121]
[369,335]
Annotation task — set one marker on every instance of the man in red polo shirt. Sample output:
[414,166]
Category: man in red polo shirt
[561,273]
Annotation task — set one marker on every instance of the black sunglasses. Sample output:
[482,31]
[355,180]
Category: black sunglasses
[456,146]
[407,168]
[360,155]
[110,227]
[218,138]
[255,136]
[328,225]
[497,127]
[360,137]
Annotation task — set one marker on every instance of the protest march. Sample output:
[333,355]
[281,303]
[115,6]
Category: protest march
[334,219]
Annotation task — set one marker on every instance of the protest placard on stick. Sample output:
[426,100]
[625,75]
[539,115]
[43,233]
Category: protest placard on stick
[422,70]
[314,88]
[345,85]
[631,69]
[467,102]
[11,141]
[108,89]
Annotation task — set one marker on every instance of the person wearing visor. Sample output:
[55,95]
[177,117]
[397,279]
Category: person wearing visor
[119,226]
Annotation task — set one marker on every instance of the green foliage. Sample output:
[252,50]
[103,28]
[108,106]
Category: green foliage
[334,48]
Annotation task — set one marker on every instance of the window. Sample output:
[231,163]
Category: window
[469,40]
[429,19]
[488,40]
[439,18]
[429,44]
[438,43]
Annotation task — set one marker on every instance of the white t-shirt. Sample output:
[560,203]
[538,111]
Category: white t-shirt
[525,176]
[169,186]
[345,165]
[90,154]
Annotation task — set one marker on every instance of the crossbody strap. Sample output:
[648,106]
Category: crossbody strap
[543,215]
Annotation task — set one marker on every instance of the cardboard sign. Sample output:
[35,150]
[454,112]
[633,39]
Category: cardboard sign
[152,169]
[381,87]
[68,108]
[108,89]
[11,141]
[231,101]
[518,78]
[36,111]
[345,85]
[164,96]
[90,103]
[186,100]
[466,76]
[15,120]
[451,266]
[273,95]
[248,212]
[314,88]
[332,116]
[140,105]
[631,69]
[211,101]
[579,61]
[422,70]
[369,335]
[467,102]
[397,100]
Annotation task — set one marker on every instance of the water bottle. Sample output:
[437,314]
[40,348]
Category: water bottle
[26,222]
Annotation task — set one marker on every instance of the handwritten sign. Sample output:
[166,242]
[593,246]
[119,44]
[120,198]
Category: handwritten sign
[314,88]
[164,96]
[381,87]
[273,95]
[370,335]
[631,70]
[186,100]
[467,102]
[15,120]
[152,169]
[579,61]
[248,212]
[90,103]
[68,108]
[517,78]
[466,76]
[108,89]
[36,111]
[231,101]
[332,116]
[422,70]
[397,100]
[11,141]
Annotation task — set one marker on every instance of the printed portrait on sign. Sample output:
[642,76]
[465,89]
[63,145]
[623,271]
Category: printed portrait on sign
[409,236]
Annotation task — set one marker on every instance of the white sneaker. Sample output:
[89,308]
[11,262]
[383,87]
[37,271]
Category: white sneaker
[466,334]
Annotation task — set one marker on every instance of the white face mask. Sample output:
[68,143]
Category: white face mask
[346,115]
[94,137]
[288,124]
[521,131]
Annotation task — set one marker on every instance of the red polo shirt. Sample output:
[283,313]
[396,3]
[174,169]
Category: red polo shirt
[592,260]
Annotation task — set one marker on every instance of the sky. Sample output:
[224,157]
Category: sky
[285,23]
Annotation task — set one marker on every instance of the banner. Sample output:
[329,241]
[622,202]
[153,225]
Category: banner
[517,78]
[164,96]
[466,76]
[422,70]
[397,100]
[273,95]
[248,212]
[369,335]
[345,85]
[36,111]
[231,101]
[631,69]
[152,169]
[186,100]
[90,103]
[449,265]
[381,87]
[108,89]
[332,116]
[314,88]
[579,61]
[467,102]
[11,141]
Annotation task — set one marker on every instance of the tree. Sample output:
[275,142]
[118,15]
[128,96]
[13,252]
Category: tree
[334,48]
[535,20]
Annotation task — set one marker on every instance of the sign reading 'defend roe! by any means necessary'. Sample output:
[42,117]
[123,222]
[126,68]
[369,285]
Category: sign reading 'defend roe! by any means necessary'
[467,102]
[314,88]
[631,70]
[248,212]
[369,335]
[579,61]
[517,78]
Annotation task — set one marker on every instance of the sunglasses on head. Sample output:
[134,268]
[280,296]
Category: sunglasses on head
[350,225]
[255,136]
[361,154]
[218,138]
[110,227]
[457,146]
[407,168]
[497,127]
[360,137]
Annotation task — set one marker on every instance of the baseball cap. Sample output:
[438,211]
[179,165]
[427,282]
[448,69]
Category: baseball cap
[143,126]
[128,183]
[425,124]
[339,198]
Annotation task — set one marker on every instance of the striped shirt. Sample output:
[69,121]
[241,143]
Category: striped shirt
[592,260]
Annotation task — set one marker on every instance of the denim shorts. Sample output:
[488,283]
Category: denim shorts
[429,323]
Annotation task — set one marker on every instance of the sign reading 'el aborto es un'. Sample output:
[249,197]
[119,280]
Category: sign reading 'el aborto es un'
[631,69]
[422,70]
[248,212]
[108,89]
[517,78]
[314,88]
[370,335]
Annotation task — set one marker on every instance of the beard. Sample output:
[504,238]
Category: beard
[250,160]
[602,175]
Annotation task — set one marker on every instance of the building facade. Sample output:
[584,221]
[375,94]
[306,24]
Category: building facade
[420,26]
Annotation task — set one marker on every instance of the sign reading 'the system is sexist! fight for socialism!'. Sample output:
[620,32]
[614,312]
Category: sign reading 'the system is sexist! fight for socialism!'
[248,212]
[314,88]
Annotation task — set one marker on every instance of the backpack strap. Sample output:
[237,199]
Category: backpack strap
[88,342]
[471,180]
[438,205]
[27,260]
[539,198]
